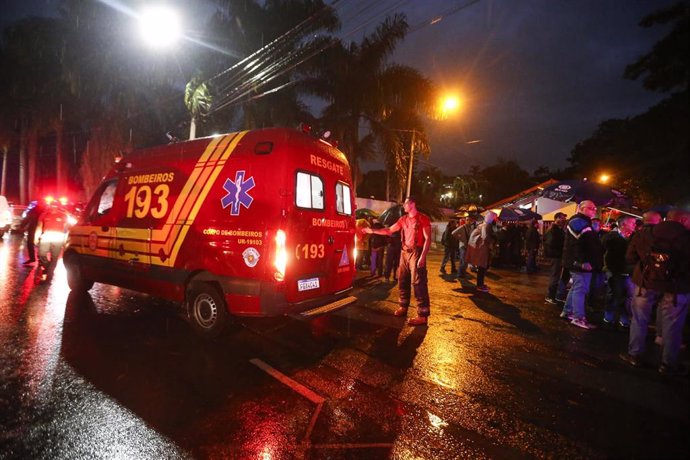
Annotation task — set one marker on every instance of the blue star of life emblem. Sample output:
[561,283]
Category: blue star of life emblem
[238,193]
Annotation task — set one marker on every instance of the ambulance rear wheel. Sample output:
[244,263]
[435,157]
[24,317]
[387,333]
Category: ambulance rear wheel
[206,309]
[75,278]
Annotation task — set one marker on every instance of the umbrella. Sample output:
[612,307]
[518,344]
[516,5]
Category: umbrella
[470,208]
[391,215]
[517,215]
[579,190]
[363,213]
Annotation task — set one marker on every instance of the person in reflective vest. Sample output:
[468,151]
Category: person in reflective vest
[50,237]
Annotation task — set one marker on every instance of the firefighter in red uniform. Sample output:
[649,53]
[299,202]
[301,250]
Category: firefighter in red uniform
[415,232]
[50,237]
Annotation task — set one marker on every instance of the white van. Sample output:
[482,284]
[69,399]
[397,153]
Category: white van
[5,216]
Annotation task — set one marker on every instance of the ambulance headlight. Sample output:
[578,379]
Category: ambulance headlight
[71,220]
[280,261]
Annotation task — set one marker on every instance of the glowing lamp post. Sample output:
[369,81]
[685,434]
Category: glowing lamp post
[159,26]
[447,105]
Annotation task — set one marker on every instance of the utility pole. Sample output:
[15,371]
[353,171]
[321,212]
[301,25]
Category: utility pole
[59,166]
[4,171]
[409,172]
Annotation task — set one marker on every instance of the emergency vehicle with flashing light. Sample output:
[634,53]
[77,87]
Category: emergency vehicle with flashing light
[255,223]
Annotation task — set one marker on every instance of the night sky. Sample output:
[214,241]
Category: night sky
[535,76]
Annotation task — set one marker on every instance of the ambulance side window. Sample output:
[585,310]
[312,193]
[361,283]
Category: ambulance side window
[309,191]
[103,202]
[342,199]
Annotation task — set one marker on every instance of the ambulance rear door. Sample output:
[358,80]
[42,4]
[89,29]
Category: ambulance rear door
[320,236]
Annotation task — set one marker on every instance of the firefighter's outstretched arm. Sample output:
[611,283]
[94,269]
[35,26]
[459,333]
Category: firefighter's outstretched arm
[382,231]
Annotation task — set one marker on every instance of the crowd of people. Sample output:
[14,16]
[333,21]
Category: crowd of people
[634,269]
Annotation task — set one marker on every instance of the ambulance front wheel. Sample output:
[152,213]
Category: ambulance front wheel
[75,278]
[206,309]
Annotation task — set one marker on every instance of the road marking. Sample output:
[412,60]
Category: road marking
[285,380]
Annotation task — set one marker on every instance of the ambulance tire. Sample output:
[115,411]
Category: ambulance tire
[206,309]
[75,280]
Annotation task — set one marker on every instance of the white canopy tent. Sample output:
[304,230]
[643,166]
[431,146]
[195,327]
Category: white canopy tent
[548,208]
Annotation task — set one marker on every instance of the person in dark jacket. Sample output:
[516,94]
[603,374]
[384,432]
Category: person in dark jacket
[581,254]
[597,287]
[377,244]
[661,274]
[29,224]
[462,235]
[450,248]
[553,250]
[532,242]
[619,291]
[392,256]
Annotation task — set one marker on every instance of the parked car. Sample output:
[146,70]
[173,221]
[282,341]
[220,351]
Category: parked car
[17,211]
[5,216]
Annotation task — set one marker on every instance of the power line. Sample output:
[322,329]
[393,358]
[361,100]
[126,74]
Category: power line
[292,60]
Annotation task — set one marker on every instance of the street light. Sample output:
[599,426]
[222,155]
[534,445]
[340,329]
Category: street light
[604,178]
[447,105]
[160,26]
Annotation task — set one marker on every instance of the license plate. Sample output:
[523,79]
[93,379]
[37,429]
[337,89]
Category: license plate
[306,285]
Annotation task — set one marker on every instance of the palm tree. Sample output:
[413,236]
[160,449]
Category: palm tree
[197,99]
[364,92]
[275,35]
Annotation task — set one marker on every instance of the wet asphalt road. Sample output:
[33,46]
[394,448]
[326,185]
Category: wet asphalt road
[116,374]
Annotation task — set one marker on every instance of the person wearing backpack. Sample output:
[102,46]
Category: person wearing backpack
[662,274]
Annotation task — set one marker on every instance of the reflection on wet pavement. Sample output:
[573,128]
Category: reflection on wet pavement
[115,373]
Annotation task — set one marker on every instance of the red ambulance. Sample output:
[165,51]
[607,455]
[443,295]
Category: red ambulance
[255,223]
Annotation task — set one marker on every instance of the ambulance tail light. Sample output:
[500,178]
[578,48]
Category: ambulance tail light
[354,251]
[280,261]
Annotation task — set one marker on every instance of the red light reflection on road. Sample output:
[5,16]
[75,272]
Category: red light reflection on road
[45,336]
